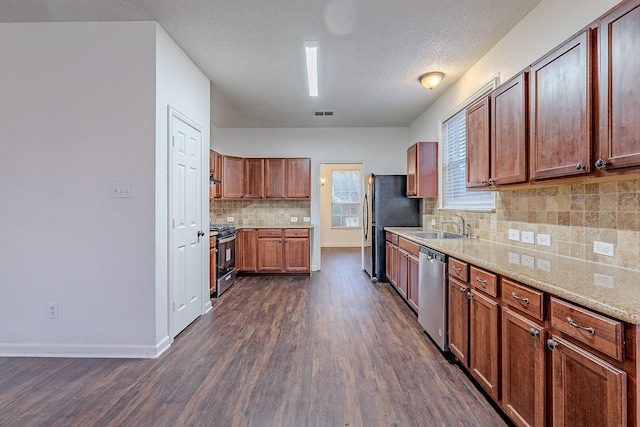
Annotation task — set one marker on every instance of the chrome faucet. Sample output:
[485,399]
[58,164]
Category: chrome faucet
[460,226]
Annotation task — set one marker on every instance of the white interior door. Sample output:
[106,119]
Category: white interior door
[186,261]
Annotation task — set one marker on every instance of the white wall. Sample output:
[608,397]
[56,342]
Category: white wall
[181,85]
[544,28]
[78,114]
[381,150]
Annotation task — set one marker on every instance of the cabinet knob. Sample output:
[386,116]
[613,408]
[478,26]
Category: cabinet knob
[600,163]
[469,295]
[492,181]
[484,182]
[579,167]
[551,344]
[533,332]
[463,290]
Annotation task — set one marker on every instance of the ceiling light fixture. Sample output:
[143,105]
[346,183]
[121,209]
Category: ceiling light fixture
[431,80]
[311,51]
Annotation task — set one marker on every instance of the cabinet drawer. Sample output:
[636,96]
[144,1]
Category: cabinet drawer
[484,281]
[393,238]
[459,269]
[408,246]
[523,298]
[269,232]
[599,332]
[296,232]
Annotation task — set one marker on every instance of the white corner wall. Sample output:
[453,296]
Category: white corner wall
[544,28]
[78,114]
[181,85]
[381,150]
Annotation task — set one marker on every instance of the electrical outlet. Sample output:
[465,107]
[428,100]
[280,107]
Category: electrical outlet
[603,280]
[294,219]
[514,258]
[528,261]
[544,265]
[544,239]
[603,248]
[527,237]
[307,219]
[514,234]
[433,222]
[53,310]
[230,219]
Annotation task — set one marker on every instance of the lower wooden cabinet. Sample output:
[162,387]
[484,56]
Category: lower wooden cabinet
[585,389]
[402,267]
[213,265]
[459,320]
[484,342]
[523,369]
[274,250]
[391,270]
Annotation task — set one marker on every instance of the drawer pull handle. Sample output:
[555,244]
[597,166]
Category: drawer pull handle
[534,333]
[517,298]
[482,282]
[458,269]
[575,325]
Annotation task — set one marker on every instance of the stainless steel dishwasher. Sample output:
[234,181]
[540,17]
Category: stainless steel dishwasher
[432,295]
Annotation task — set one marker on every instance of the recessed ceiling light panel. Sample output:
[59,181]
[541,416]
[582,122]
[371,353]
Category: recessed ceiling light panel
[311,53]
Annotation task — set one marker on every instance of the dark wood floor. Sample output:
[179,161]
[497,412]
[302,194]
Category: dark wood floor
[331,350]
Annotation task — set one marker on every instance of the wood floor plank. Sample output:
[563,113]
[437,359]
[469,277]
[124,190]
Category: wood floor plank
[330,350]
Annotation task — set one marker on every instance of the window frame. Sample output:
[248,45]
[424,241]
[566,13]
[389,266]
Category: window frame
[478,206]
[358,188]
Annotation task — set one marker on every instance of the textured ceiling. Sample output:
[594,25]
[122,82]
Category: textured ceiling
[371,52]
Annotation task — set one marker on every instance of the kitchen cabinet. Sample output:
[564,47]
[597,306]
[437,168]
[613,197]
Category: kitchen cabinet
[422,170]
[560,111]
[458,320]
[215,172]
[247,250]
[297,250]
[253,178]
[484,340]
[618,141]
[391,261]
[407,269]
[270,250]
[523,369]
[232,177]
[298,178]
[478,144]
[213,265]
[274,178]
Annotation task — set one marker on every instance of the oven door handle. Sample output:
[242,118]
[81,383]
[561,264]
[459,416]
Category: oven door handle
[227,239]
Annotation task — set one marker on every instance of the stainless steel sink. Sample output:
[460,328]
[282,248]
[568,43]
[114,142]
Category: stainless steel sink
[434,235]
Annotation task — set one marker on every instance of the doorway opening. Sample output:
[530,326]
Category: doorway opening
[341,205]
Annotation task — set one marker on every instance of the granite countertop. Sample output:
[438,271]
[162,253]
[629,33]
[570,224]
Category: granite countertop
[609,290]
[240,227]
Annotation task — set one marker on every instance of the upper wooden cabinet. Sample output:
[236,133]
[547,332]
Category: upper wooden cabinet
[215,172]
[253,178]
[560,110]
[509,131]
[274,178]
[422,170]
[619,88]
[298,178]
[232,177]
[478,144]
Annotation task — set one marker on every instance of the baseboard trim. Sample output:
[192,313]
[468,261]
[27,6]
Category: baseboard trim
[86,351]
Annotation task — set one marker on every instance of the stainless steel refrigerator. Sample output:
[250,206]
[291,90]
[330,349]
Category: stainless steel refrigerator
[385,204]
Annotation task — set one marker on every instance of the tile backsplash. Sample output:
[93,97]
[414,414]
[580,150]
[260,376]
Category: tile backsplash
[276,213]
[574,216]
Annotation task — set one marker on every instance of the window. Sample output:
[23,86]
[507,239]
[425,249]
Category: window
[345,198]
[453,175]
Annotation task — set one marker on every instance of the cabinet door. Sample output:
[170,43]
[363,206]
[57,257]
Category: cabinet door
[247,250]
[213,265]
[403,272]
[412,282]
[586,390]
[523,370]
[253,178]
[478,168]
[232,177]
[484,343]
[412,187]
[509,131]
[619,62]
[560,111]
[296,254]
[390,266]
[270,254]
[298,178]
[274,172]
[217,173]
[459,320]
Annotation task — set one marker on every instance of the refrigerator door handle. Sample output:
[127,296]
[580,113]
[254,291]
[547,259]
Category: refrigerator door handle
[365,216]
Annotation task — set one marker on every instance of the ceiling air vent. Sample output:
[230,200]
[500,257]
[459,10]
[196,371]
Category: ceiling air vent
[322,113]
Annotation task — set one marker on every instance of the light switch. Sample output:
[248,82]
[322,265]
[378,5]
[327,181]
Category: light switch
[121,190]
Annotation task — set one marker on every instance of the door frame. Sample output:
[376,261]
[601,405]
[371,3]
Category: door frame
[174,114]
